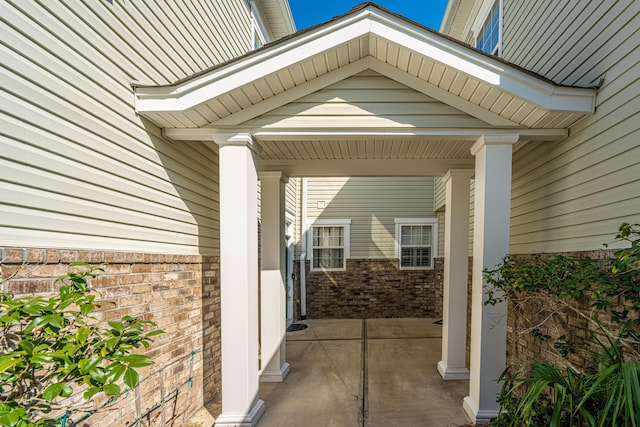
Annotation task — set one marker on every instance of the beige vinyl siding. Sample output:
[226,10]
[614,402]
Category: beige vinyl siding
[440,194]
[79,168]
[292,206]
[371,204]
[291,195]
[572,195]
[367,99]
[441,209]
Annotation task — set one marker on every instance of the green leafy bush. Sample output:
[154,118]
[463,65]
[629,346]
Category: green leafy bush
[50,347]
[558,392]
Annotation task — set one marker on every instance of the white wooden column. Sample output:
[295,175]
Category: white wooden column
[456,267]
[492,210]
[273,295]
[239,281]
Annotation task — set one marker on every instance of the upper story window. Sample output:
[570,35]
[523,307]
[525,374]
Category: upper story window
[258,29]
[488,34]
[329,244]
[416,242]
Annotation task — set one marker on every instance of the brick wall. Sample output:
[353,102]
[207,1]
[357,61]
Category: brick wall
[375,288]
[180,293]
[523,347]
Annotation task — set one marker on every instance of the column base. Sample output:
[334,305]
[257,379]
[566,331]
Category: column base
[242,420]
[275,376]
[478,416]
[452,373]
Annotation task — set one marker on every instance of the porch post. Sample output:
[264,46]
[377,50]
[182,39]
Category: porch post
[456,267]
[239,281]
[273,296]
[492,212]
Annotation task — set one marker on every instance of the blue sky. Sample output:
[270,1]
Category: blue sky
[311,12]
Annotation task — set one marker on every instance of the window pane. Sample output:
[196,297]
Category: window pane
[328,258]
[489,34]
[415,245]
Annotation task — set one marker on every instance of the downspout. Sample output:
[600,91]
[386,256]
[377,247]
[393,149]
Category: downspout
[303,255]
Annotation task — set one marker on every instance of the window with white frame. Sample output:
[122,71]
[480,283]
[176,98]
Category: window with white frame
[488,32]
[416,242]
[258,30]
[329,244]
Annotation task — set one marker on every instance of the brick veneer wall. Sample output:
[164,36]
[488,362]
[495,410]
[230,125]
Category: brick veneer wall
[523,347]
[180,293]
[374,288]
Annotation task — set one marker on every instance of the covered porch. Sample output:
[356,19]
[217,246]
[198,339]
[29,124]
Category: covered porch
[366,94]
[364,372]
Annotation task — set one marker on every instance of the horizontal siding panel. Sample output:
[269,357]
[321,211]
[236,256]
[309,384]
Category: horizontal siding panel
[82,170]
[371,204]
[365,100]
[573,195]
[399,121]
[365,108]
[46,201]
[106,196]
[335,96]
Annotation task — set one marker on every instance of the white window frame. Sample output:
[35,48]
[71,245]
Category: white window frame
[259,34]
[481,19]
[433,222]
[346,224]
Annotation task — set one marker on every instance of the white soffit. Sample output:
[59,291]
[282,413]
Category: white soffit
[366,38]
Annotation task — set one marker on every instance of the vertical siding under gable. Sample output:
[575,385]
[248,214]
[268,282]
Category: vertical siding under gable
[371,204]
[79,168]
[572,195]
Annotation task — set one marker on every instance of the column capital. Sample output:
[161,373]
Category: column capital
[273,175]
[237,139]
[484,140]
[468,173]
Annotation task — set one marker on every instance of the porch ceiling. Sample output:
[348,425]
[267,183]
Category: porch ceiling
[488,90]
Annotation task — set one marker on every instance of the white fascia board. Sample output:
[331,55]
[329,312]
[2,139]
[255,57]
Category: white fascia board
[199,90]
[365,167]
[471,134]
[479,66]
[476,65]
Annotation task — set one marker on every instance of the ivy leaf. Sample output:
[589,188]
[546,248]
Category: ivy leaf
[92,391]
[118,326]
[87,365]
[115,371]
[7,363]
[53,391]
[41,358]
[112,390]
[112,343]
[82,334]
[137,360]
[131,378]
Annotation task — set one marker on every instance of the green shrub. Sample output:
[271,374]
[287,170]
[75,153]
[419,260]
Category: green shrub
[557,392]
[52,346]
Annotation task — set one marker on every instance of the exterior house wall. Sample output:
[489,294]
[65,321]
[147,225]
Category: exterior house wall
[440,207]
[570,196]
[181,293]
[86,179]
[573,195]
[99,176]
[372,285]
[371,204]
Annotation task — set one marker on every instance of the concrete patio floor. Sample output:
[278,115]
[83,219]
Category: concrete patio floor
[394,383]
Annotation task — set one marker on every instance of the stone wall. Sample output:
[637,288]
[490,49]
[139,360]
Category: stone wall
[374,288]
[180,293]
